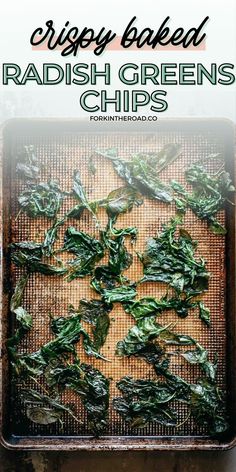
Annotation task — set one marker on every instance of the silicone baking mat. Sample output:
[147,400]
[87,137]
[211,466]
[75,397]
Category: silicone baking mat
[60,154]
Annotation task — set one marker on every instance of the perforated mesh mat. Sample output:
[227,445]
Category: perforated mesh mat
[60,155]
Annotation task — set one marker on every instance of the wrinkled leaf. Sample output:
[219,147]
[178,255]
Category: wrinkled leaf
[121,200]
[209,194]
[17,297]
[142,171]
[87,250]
[204,313]
[28,165]
[80,194]
[172,260]
[42,199]
[96,312]
[43,415]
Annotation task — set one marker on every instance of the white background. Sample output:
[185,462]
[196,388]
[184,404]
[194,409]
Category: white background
[19,20]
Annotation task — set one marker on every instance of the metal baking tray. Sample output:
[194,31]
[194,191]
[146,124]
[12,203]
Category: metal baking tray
[67,145]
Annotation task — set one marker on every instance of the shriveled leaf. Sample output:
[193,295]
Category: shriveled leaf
[28,165]
[121,200]
[142,171]
[43,415]
[96,313]
[209,194]
[87,250]
[80,194]
[17,297]
[204,313]
[207,407]
[42,199]
[172,260]
[23,317]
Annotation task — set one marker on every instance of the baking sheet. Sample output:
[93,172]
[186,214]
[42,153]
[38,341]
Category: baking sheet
[60,153]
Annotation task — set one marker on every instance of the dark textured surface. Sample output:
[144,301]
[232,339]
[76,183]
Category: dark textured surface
[118,461]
